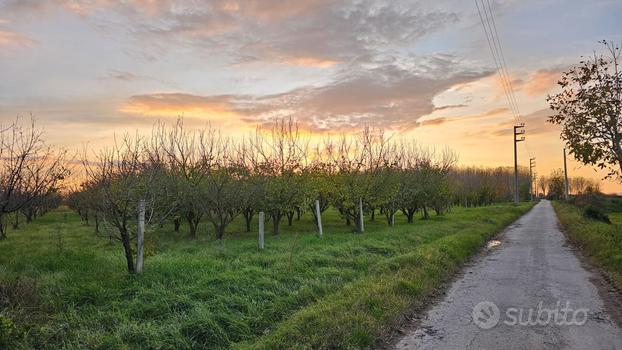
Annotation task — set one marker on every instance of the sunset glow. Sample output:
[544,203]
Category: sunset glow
[91,69]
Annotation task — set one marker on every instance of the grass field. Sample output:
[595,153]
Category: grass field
[600,241]
[61,287]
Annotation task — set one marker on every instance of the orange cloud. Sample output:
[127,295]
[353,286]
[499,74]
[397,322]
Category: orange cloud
[491,114]
[13,39]
[176,104]
[310,62]
[537,83]
[541,81]
[535,125]
[272,10]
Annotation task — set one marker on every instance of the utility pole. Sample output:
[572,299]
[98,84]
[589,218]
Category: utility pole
[532,164]
[518,130]
[535,184]
[565,177]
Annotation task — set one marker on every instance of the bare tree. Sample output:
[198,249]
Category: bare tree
[29,169]
[122,176]
[281,158]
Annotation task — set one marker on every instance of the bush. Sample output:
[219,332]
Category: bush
[596,213]
[8,333]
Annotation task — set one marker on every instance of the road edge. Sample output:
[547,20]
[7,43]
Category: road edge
[607,290]
[411,319]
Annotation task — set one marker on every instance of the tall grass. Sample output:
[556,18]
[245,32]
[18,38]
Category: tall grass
[302,291]
[602,242]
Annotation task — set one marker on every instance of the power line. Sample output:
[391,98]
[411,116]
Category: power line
[496,49]
[497,42]
[496,59]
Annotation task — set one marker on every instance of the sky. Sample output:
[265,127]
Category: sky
[89,70]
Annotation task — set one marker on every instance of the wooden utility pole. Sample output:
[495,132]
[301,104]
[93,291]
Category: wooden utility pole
[532,164]
[518,130]
[565,177]
[140,236]
[535,184]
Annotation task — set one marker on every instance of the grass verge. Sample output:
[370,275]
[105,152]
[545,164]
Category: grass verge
[601,242]
[355,317]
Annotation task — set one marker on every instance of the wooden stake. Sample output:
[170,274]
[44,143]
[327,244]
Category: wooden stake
[361,224]
[318,214]
[140,236]
[261,229]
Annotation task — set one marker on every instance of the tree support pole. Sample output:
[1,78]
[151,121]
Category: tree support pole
[140,236]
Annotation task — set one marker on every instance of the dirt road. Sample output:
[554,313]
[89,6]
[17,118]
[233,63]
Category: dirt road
[530,292]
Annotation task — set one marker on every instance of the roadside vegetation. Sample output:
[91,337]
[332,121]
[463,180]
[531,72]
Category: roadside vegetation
[338,291]
[593,223]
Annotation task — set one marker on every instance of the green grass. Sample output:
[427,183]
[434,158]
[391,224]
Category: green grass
[63,287]
[600,241]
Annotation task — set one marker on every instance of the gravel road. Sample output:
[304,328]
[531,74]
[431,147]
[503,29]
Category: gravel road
[529,292]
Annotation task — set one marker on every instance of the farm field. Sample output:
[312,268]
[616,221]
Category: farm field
[62,287]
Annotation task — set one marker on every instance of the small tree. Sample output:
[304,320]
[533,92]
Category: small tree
[223,197]
[280,161]
[29,169]
[122,177]
[555,185]
[589,110]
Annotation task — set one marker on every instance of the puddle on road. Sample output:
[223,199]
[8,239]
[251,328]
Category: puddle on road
[493,243]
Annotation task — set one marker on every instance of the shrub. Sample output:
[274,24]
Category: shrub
[8,332]
[595,212]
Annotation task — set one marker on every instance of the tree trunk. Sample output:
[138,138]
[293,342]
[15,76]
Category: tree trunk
[290,217]
[177,223]
[193,222]
[410,213]
[426,215]
[2,227]
[97,223]
[127,247]
[16,222]
[298,213]
[220,231]
[276,223]
[389,215]
[373,214]
[248,217]
[29,215]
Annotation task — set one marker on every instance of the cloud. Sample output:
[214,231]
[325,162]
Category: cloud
[12,39]
[389,95]
[178,104]
[535,125]
[311,33]
[536,83]
[343,31]
[541,81]
[454,106]
[129,77]
[122,76]
[490,114]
